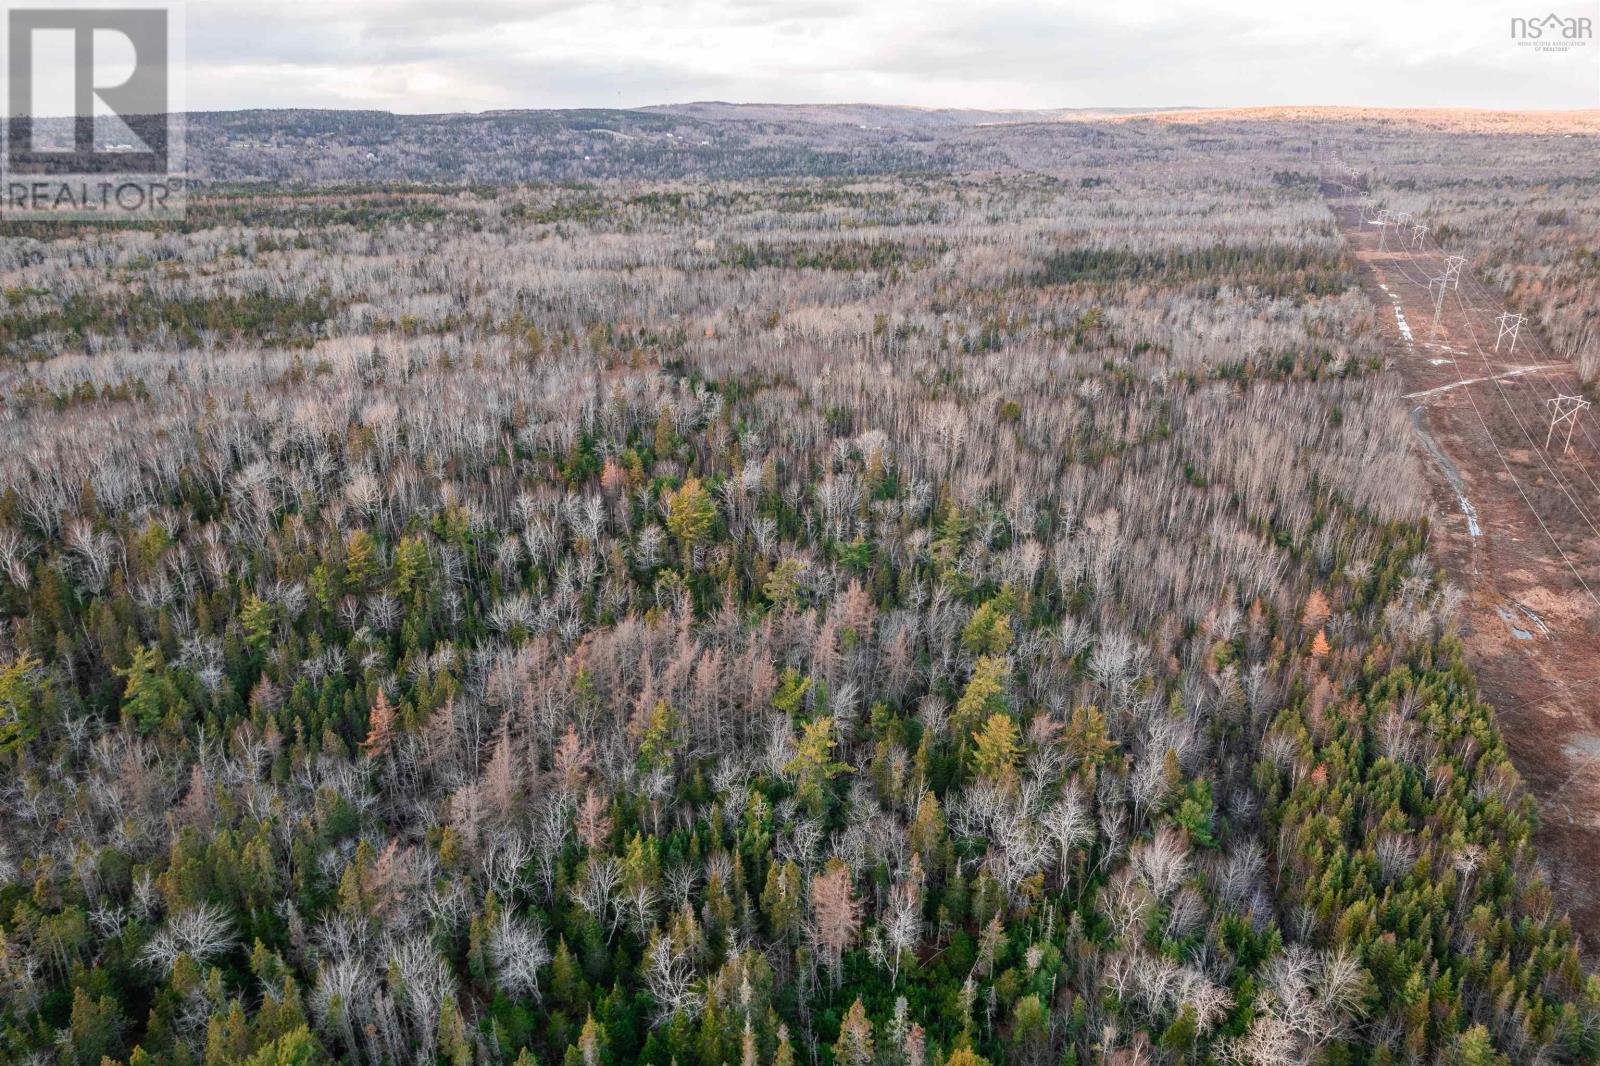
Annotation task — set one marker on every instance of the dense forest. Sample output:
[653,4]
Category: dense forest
[923,620]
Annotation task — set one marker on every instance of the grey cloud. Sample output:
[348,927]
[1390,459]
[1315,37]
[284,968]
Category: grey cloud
[1009,54]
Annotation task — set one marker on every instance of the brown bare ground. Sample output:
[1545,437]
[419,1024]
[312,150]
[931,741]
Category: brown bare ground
[1530,617]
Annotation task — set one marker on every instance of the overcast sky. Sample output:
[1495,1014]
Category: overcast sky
[473,55]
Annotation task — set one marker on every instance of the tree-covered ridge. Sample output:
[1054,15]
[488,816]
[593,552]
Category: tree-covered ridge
[938,622]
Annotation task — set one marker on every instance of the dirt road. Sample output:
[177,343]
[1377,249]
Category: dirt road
[1519,532]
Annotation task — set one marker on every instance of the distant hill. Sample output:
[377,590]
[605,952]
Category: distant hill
[884,116]
[714,140]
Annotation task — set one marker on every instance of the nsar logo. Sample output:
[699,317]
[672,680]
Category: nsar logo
[1553,33]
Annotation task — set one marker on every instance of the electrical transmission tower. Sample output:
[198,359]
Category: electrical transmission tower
[1437,287]
[1384,221]
[1419,233]
[1564,408]
[1510,325]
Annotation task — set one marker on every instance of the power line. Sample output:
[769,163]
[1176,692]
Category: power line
[1451,280]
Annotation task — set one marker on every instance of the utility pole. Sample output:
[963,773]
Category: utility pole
[1510,325]
[1566,409]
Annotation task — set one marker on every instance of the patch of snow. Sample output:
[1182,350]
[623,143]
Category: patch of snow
[1508,618]
[1400,320]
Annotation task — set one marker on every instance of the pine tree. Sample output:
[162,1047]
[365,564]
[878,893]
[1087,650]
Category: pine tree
[690,514]
[150,695]
[94,1029]
[411,566]
[661,441]
[928,829]
[781,900]
[1475,1048]
[296,1048]
[1087,737]
[657,742]
[784,1056]
[995,751]
[837,913]
[380,732]
[1181,1035]
[257,617]
[1316,610]
[566,978]
[782,583]
[854,1046]
[983,696]
[592,1041]
[988,632]
[360,559]
[814,766]
[21,689]
[454,1046]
